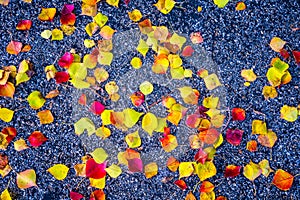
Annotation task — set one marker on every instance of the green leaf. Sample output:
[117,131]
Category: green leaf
[114,171]
[142,47]
[84,124]
[100,19]
[206,170]
[221,3]
[77,71]
[146,87]
[36,100]
[99,155]
[131,117]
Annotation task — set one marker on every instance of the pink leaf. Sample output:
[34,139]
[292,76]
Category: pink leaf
[135,165]
[66,60]
[234,136]
[95,170]
[97,108]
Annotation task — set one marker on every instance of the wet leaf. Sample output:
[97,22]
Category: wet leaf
[101,75]
[66,60]
[146,87]
[209,136]
[133,139]
[6,114]
[289,113]
[165,6]
[269,92]
[59,171]
[252,171]
[57,34]
[234,136]
[252,145]
[114,171]
[187,51]
[193,121]
[7,90]
[200,156]
[10,132]
[84,124]
[107,32]
[277,44]
[238,114]
[98,183]
[248,75]
[206,170]
[36,139]
[151,170]
[232,171]
[283,180]
[186,169]
[47,14]
[135,165]
[99,155]
[46,34]
[89,43]
[75,196]
[196,38]
[172,164]
[137,98]
[26,179]
[14,47]
[67,17]
[265,167]
[259,127]
[61,77]
[142,47]
[131,117]
[95,170]
[212,81]
[268,140]
[190,196]
[221,3]
[105,58]
[97,195]
[240,6]
[149,123]
[5,194]
[296,55]
[189,95]
[136,62]
[24,25]
[207,195]
[113,2]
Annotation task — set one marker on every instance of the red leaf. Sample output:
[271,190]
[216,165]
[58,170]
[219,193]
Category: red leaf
[82,99]
[11,133]
[95,170]
[61,77]
[66,60]
[135,165]
[181,184]
[137,98]
[192,121]
[14,47]
[201,156]
[97,195]
[234,137]
[232,171]
[206,186]
[284,53]
[68,19]
[126,2]
[24,25]
[238,114]
[296,55]
[209,136]
[67,9]
[97,108]
[187,51]
[75,196]
[36,139]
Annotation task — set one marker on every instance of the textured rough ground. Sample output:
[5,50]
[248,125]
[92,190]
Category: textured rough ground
[234,40]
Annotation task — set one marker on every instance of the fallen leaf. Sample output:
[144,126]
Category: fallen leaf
[212,81]
[7,90]
[133,139]
[240,6]
[149,123]
[26,179]
[221,3]
[206,170]
[6,114]
[98,183]
[296,55]
[150,170]
[67,17]
[97,195]
[234,136]
[5,194]
[238,114]
[283,180]
[186,169]
[10,133]
[20,145]
[265,167]
[57,34]
[277,44]
[232,171]
[75,196]
[36,139]
[45,117]
[248,75]
[165,6]
[95,170]
[268,140]
[14,47]
[190,196]
[252,171]
[209,136]
[135,15]
[252,145]
[169,142]
[289,113]
[24,25]
[259,127]
[142,47]
[181,184]
[107,32]
[52,94]
[207,186]
[269,92]
[113,171]
[66,60]
[172,164]
[113,2]
[84,124]
[97,108]
[99,155]
[59,171]
[135,165]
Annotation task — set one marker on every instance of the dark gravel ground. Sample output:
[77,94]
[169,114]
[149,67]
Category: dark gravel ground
[235,40]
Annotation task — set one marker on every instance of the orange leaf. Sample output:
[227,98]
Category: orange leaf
[190,196]
[45,117]
[7,90]
[209,136]
[24,25]
[283,180]
[14,47]
[207,187]
[172,164]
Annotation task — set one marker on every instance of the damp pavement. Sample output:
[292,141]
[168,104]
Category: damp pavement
[234,40]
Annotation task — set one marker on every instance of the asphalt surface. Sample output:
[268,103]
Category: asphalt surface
[234,40]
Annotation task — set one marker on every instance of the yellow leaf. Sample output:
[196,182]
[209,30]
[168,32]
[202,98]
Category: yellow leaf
[20,145]
[98,183]
[26,179]
[107,32]
[169,142]
[149,123]
[46,34]
[165,6]
[142,47]
[135,15]
[136,63]
[210,102]
[59,171]
[162,123]
[277,44]
[47,14]
[185,169]
[45,117]
[79,84]
[113,171]
[177,40]
[57,34]
[84,124]
[91,28]
[101,75]
[289,113]
[177,73]
[211,81]
[5,195]
[206,170]
[269,92]
[131,117]
[133,139]
[259,127]
[105,117]
[207,195]
[189,95]
[151,170]
[6,114]
[248,75]
[252,171]
[174,117]
[99,155]
[89,43]
[36,100]
[265,167]
[103,132]
[175,60]
[100,19]
[113,2]
[105,58]
[221,3]
[146,87]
